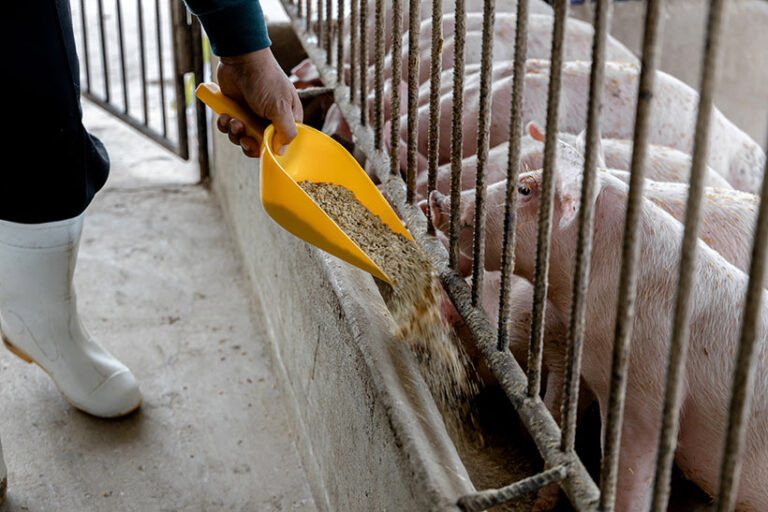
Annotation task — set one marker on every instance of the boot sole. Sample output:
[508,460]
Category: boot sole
[24,357]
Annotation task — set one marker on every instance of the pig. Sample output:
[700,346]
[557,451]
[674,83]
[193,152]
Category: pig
[732,153]
[717,300]
[662,163]
[578,42]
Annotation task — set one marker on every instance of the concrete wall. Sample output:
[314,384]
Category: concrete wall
[742,92]
[369,434]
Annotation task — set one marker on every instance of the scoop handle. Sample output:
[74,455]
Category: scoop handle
[210,94]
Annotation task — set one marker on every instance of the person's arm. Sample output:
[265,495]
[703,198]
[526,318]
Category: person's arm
[248,72]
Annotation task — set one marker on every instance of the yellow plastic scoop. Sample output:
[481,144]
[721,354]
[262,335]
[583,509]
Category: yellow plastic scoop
[318,158]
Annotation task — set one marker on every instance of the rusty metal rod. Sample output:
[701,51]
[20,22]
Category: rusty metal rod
[104,57]
[575,338]
[339,40]
[457,135]
[483,139]
[744,376]
[630,248]
[434,103]
[161,77]
[394,116]
[541,269]
[142,62]
[378,113]
[413,96]
[353,33]
[678,347]
[513,170]
[121,48]
[486,499]
[364,62]
[328,31]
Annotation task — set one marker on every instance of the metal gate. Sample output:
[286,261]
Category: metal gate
[341,49]
[139,61]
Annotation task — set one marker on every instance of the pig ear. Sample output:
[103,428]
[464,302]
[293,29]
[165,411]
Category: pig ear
[535,131]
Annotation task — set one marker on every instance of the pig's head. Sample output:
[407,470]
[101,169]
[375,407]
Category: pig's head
[567,193]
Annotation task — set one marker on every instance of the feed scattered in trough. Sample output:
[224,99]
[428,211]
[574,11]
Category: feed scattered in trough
[415,296]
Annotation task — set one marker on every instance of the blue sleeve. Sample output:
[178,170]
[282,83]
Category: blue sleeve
[234,27]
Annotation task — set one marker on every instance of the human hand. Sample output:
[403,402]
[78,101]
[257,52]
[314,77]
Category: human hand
[256,80]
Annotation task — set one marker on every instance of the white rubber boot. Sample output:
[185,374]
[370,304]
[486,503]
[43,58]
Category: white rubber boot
[3,476]
[40,324]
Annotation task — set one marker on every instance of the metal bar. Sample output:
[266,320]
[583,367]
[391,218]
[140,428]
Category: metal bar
[364,62]
[378,114]
[142,62]
[122,55]
[394,107]
[434,103]
[104,62]
[483,139]
[180,42]
[413,96]
[513,170]
[181,99]
[630,249]
[678,347]
[486,499]
[202,116]
[578,486]
[133,122]
[86,60]
[744,376]
[541,269]
[457,132]
[584,237]
[353,28]
[328,31]
[309,16]
[319,25]
[339,40]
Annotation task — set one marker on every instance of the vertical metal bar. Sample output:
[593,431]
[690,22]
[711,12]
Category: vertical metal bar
[457,135]
[142,62]
[394,107]
[353,27]
[300,8]
[413,96]
[513,170]
[584,237]
[328,31]
[180,42]
[122,55]
[484,133]
[630,249]
[104,59]
[364,62]
[378,114]
[678,348]
[86,60]
[434,102]
[183,99]
[202,119]
[744,375]
[339,41]
[319,25]
[541,269]
[309,16]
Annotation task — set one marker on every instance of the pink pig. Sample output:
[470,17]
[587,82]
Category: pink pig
[716,311]
[732,153]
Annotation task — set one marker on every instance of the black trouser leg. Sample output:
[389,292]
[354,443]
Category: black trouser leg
[52,166]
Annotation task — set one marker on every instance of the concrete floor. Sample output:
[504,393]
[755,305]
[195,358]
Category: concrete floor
[160,285]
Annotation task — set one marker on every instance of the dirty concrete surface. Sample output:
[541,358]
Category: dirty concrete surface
[160,286]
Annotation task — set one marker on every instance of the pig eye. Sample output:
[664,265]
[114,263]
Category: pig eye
[524,190]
